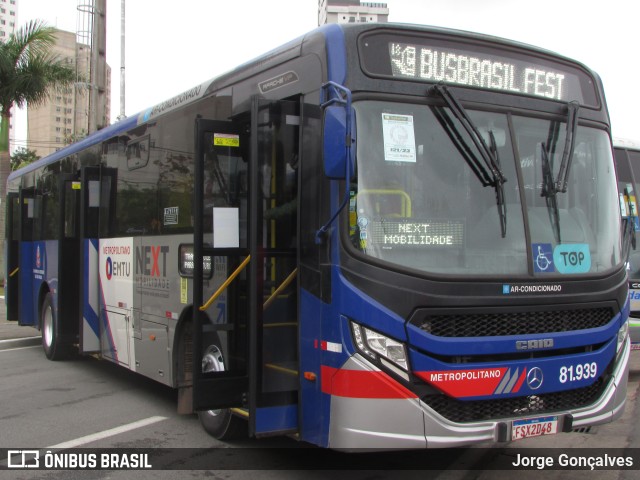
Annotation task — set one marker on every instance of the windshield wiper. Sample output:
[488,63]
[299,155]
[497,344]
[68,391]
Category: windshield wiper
[569,145]
[551,187]
[549,191]
[487,168]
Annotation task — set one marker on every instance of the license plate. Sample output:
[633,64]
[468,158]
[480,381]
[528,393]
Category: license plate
[534,427]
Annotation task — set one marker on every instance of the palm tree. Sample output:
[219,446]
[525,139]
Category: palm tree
[28,73]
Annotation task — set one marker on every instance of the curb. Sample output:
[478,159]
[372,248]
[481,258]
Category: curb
[20,342]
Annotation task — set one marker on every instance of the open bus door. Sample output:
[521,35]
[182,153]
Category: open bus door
[247,230]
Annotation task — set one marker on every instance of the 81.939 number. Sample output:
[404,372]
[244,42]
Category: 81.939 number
[575,373]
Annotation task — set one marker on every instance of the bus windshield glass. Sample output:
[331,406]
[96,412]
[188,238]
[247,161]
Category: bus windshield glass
[421,200]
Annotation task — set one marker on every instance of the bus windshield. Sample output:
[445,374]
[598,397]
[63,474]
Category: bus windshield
[421,198]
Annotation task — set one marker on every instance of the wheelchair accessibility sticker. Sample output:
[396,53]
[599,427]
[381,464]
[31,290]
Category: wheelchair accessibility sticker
[566,259]
[543,258]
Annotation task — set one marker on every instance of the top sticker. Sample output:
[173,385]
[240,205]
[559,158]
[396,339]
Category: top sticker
[572,258]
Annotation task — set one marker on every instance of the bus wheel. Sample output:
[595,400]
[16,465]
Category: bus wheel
[221,423]
[51,343]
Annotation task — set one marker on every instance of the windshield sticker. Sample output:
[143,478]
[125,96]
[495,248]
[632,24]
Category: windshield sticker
[363,222]
[572,258]
[399,138]
[542,258]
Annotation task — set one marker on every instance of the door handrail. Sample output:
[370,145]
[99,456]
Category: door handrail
[282,286]
[226,283]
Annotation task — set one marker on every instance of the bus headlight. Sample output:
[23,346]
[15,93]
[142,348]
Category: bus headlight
[379,347]
[623,334]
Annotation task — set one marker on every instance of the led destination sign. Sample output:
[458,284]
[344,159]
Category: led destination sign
[399,233]
[479,64]
[475,71]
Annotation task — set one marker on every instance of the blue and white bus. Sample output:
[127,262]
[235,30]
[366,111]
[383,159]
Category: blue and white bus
[375,236]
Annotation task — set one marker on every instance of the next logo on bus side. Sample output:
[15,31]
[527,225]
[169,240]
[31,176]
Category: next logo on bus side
[152,260]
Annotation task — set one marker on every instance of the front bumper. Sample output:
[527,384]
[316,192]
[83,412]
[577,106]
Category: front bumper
[405,422]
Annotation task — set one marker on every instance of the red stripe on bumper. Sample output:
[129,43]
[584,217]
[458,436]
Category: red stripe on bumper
[362,384]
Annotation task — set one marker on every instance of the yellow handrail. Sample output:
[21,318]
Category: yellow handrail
[226,283]
[282,286]
[405,198]
[14,272]
[240,411]
[281,369]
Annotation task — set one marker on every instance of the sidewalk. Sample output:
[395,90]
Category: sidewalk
[13,335]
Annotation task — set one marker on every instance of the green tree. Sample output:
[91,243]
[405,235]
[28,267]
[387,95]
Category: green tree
[29,71]
[23,157]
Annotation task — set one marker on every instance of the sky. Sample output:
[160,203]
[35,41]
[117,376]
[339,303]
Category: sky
[173,46]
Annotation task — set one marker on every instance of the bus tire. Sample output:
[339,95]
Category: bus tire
[51,342]
[221,424]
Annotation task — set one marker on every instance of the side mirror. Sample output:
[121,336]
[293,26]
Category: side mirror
[339,142]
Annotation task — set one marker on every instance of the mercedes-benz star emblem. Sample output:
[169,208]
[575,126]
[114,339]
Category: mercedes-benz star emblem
[534,378]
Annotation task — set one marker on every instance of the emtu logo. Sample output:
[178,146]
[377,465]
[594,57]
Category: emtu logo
[117,269]
[109,267]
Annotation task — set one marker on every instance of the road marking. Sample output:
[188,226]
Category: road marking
[108,433]
[9,340]
[19,348]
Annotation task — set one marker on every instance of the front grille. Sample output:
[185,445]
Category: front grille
[489,324]
[479,410]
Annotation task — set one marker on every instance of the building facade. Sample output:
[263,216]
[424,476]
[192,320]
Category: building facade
[351,11]
[65,117]
[8,15]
